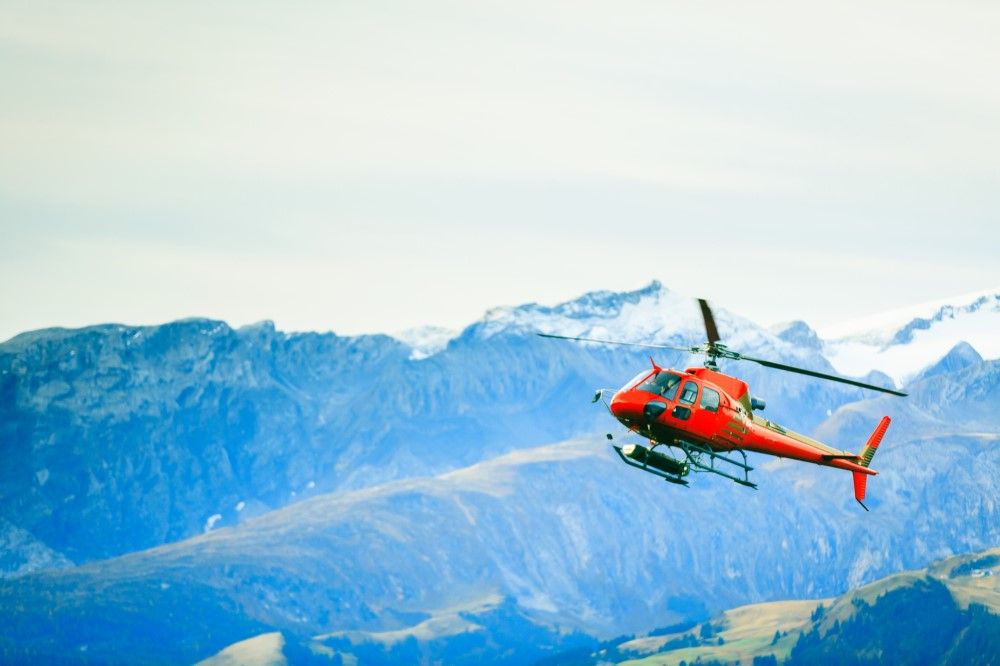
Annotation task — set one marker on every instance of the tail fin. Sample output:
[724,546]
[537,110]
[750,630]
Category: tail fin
[860,481]
[866,455]
[869,451]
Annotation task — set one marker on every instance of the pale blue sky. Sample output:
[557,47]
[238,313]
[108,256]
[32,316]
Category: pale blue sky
[374,166]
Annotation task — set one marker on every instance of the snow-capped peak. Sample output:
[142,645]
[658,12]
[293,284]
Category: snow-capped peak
[883,326]
[904,341]
[653,314]
[425,341]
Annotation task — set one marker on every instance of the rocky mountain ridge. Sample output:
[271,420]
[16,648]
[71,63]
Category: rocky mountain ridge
[121,438]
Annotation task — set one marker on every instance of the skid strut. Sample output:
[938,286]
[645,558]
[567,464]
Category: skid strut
[696,454]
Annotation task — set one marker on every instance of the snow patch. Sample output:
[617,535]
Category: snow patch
[651,315]
[903,350]
[425,341]
[212,520]
[892,320]
[262,649]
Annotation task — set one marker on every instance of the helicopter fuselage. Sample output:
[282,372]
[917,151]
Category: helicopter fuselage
[714,410]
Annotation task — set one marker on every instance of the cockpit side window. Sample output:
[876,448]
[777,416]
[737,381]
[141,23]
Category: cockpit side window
[669,390]
[690,393]
[709,400]
[662,383]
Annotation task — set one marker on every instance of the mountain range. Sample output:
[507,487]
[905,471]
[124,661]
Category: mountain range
[364,494]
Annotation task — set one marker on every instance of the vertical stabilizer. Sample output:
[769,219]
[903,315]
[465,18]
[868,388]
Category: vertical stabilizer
[866,455]
[869,451]
[860,481]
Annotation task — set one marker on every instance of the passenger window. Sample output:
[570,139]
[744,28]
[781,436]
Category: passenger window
[689,393]
[709,400]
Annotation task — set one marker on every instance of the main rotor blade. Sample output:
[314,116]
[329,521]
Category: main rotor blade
[710,329]
[690,350]
[821,375]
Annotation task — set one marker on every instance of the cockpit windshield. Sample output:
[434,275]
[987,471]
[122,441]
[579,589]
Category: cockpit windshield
[662,383]
[635,380]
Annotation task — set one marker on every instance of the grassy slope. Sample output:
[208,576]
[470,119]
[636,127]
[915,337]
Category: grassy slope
[748,631]
[263,650]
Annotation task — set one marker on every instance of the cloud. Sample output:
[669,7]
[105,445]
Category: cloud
[451,140]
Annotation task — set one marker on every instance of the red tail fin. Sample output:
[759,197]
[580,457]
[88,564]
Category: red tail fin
[860,481]
[866,455]
[869,451]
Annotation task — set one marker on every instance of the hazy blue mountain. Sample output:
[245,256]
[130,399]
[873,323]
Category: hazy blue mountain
[960,356]
[943,403]
[394,504]
[798,333]
[119,438]
[564,537]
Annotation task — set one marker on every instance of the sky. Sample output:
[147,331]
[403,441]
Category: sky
[376,166]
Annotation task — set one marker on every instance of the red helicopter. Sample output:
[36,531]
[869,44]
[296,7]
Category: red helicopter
[708,415]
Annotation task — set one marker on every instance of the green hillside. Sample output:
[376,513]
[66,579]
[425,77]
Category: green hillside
[953,606]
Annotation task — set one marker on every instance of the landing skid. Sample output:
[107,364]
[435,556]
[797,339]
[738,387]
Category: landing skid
[702,459]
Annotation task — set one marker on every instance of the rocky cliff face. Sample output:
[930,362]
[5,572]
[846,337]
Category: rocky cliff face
[120,438]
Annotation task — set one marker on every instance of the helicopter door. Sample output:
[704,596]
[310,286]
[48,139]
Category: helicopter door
[701,415]
[685,401]
[705,417]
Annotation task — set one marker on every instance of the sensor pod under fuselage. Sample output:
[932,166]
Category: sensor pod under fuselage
[655,459]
